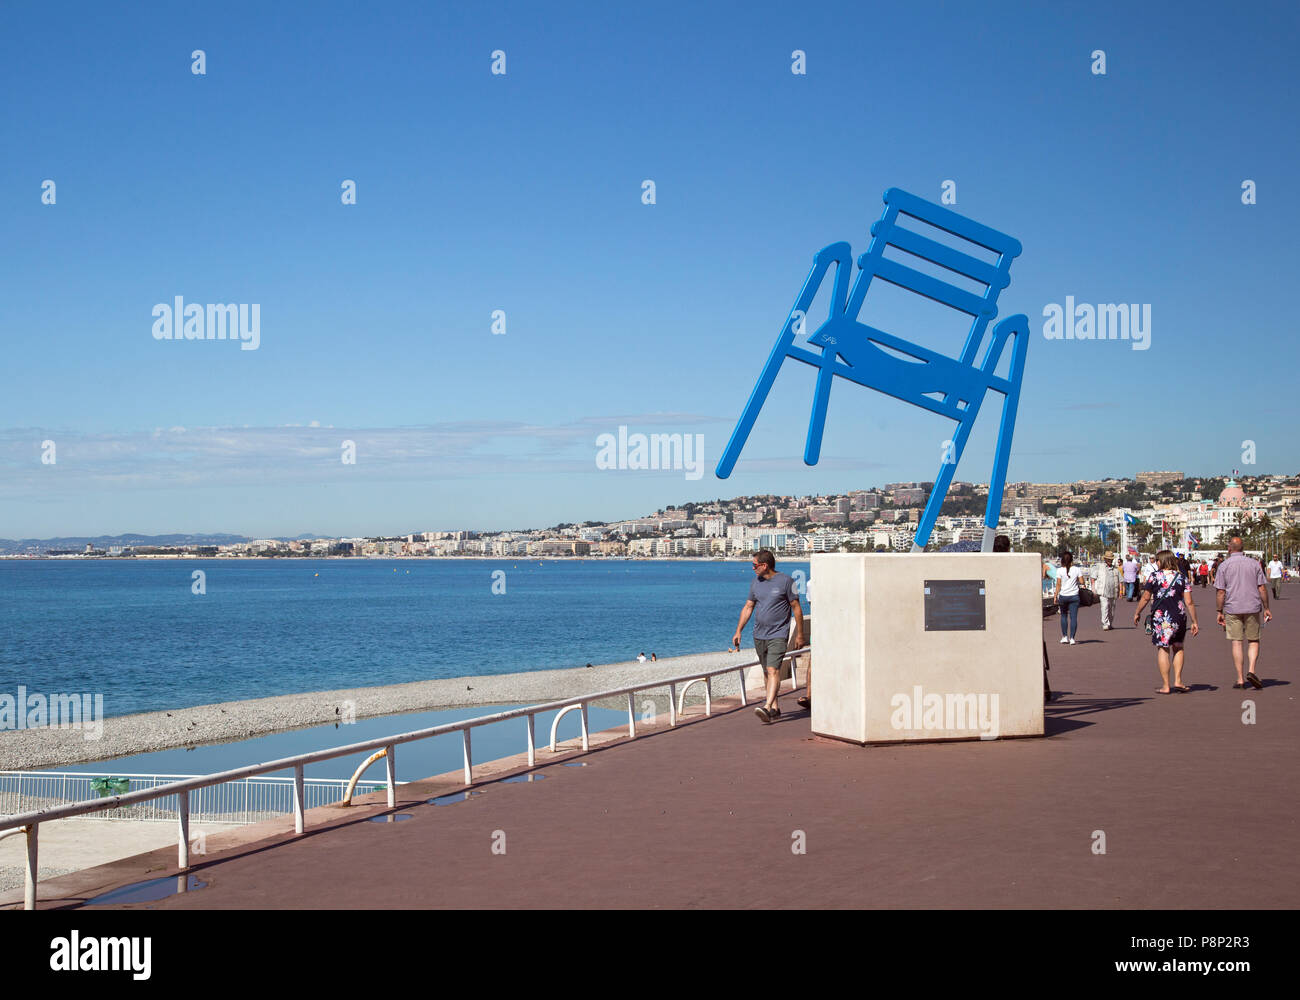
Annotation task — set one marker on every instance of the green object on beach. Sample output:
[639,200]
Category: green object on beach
[110,786]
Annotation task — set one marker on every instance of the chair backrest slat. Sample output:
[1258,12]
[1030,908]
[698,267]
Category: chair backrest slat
[891,230]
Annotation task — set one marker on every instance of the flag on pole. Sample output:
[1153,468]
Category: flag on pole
[1130,519]
[1104,530]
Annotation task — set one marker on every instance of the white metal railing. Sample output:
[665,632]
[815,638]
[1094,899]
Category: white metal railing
[248,800]
[29,822]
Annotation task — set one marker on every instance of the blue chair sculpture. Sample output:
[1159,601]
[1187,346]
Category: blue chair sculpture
[951,387]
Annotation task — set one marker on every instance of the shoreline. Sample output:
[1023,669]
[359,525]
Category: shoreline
[233,721]
[465,556]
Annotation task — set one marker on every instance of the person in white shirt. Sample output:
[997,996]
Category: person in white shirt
[1106,585]
[1067,596]
[1275,577]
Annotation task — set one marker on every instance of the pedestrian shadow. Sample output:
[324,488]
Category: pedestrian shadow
[1062,716]
[1268,683]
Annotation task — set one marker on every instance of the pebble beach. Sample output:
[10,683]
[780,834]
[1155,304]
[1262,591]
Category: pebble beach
[238,720]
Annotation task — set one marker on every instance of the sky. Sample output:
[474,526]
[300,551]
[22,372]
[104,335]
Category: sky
[523,192]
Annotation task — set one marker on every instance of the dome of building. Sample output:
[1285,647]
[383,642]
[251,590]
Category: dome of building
[1232,495]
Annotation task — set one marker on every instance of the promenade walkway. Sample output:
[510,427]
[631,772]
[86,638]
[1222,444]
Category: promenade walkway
[1197,809]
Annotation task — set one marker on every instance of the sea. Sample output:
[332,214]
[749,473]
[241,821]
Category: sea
[162,634]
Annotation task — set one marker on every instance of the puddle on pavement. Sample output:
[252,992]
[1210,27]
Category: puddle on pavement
[452,799]
[149,891]
[391,818]
[575,763]
[523,777]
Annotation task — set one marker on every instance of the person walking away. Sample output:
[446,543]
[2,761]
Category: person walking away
[772,600]
[1241,597]
[1275,577]
[1130,578]
[1067,595]
[1106,585]
[1170,591]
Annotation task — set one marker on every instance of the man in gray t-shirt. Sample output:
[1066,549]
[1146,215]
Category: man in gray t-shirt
[772,600]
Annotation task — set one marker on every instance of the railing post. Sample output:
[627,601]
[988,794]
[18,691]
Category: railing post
[631,715]
[532,739]
[29,891]
[708,695]
[390,764]
[299,801]
[183,817]
[583,712]
[469,762]
[672,704]
[743,700]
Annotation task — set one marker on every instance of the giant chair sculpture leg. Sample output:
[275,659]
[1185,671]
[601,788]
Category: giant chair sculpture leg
[1012,326]
[841,255]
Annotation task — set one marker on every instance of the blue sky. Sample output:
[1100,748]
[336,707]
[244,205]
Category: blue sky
[522,192]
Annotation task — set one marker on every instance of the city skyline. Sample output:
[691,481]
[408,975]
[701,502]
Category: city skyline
[905,497]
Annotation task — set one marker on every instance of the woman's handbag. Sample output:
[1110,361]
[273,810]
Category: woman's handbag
[1086,598]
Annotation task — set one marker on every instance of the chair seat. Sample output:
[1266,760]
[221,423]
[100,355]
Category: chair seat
[913,378]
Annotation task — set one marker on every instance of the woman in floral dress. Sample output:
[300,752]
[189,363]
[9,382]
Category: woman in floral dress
[1174,610]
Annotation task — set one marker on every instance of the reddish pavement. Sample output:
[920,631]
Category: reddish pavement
[1197,808]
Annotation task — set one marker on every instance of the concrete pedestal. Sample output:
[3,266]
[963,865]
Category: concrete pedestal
[909,649]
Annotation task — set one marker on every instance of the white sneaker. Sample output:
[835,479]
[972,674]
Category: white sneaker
[1072,642]
[1064,640]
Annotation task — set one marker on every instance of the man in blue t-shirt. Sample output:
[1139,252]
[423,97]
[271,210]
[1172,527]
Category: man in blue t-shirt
[772,599]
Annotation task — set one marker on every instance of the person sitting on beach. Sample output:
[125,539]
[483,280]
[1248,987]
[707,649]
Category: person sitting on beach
[653,658]
[640,658]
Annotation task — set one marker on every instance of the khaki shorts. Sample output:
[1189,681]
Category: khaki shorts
[1243,627]
[770,652]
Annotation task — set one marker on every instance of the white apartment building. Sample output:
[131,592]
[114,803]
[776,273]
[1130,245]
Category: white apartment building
[826,541]
[713,527]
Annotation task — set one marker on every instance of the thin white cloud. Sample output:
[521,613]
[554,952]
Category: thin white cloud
[214,456]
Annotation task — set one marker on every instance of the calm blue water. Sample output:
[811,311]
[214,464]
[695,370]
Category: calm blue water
[133,630]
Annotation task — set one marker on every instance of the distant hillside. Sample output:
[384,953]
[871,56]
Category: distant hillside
[37,546]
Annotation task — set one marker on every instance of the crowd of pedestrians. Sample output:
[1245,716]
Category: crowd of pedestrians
[1162,586]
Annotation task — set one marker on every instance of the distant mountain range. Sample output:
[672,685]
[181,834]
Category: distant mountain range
[24,546]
